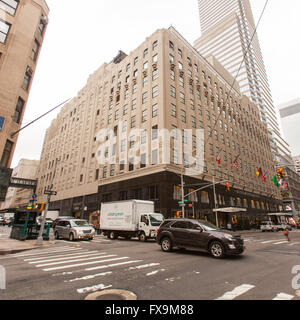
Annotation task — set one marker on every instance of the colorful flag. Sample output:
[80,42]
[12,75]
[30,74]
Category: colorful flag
[259,172]
[235,163]
[275,181]
[218,159]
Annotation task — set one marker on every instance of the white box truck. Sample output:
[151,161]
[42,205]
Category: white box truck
[130,219]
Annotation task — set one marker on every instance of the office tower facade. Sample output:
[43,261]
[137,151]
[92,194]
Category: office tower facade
[164,84]
[26,169]
[227,28]
[289,119]
[22,29]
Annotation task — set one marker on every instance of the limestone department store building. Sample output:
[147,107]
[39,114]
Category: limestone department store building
[163,84]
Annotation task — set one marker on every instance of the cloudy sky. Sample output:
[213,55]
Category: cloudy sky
[83,34]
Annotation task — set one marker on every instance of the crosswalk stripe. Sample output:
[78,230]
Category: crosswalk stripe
[281,242]
[46,252]
[292,244]
[94,288]
[230,295]
[87,254]
[144,266]
[60,255]
[283,296]
[83,264]
[90,276]
[113,265]
[75,260]
[269,241]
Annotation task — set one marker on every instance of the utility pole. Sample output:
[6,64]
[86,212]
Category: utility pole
[39,241]
[182,194]
[215,200]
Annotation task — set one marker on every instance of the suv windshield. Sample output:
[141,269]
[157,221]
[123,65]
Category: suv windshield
[208,226]
[80,223]
[156,219]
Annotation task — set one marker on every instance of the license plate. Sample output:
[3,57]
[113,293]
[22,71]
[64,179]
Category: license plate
[88,235]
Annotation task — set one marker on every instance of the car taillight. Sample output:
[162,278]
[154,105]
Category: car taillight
[158,230]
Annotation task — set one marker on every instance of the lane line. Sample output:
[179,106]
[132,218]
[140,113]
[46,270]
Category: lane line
[292,244]
[113,265]
[269,241]
[83,264]
[283,296]
[281,242]
[144,266]
[90,276]
[94,288]
[75,260]
[60,255]
[230,295]
[86,255]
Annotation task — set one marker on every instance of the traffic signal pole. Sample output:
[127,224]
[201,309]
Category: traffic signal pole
[182,195]
[39,241]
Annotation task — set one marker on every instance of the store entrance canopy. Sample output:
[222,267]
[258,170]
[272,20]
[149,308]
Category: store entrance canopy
[230,210]
[283,214]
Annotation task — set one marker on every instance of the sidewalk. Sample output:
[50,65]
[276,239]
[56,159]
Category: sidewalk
[9,246]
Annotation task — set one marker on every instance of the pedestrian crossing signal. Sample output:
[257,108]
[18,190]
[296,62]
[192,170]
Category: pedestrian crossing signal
[39,207]
[179,214]
[227,186]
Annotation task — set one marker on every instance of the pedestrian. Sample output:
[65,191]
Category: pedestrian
[286,234]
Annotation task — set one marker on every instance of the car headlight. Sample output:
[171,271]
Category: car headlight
[229,237]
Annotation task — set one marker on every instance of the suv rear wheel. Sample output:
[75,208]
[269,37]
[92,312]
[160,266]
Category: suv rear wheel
[71,236]
[217,250]
[166,244]
[56,235]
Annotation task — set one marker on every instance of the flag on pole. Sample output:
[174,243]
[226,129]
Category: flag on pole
[275,181]
[218,159]
[235,163]
[246,169]
[259,172]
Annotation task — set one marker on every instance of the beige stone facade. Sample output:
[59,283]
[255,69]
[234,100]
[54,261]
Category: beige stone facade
[22,28]
[164,83]
[15,197]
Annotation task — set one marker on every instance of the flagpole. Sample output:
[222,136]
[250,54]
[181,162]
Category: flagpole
[215,197]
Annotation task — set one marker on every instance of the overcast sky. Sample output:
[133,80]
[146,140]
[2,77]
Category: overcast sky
[82,35]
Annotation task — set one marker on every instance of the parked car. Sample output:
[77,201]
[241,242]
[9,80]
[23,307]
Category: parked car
[2,221]
[268,226]
[198,234]
[74,229]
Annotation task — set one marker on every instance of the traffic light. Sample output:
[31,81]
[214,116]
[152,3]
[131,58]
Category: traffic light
[190,205]
[30,207]
[179,214]
[227,186]
[40,206]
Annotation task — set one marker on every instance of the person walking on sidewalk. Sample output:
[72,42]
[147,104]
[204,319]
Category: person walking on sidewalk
[286,234]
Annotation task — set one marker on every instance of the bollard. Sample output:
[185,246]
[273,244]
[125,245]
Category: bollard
[51,236]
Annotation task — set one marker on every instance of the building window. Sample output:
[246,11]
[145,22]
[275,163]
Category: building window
[182,97]
[180,53]
[172,74]
[97,174]
[4,29]
[154,45]
[145,66]
[131,164]
[181,82]
[145,52]
[133,106]
[6,153]
[171,45]
[183,116]
[154,75]
[144,116]
[133,122]
[173,92]
[112,170]
[9,6]
[27,79]
[154,157]
[136,60]
[19,110]
[155,58]
[143,160]
[144,97]
[173,110]
[145,82]
[154,132]
[155,110]
[42,25]
[155,92]
[104,172]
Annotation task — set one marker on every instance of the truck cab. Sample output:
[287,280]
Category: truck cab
[148,225]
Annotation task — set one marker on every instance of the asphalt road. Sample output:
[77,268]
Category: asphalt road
[72,270]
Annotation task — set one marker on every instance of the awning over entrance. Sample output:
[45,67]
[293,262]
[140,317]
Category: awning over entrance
[230,210]
[283,214]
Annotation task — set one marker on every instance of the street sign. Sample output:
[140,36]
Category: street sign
[51,193]
[34,196]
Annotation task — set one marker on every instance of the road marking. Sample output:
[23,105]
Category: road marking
[292,244]
[75,260]
[91,276]
[281,242]
[93,288]
[283,296]
[46,252]
[60,258]
[60,255]
[269,241]
[83,264]
[113,265]
[143,266]
[155,272]
[230,295]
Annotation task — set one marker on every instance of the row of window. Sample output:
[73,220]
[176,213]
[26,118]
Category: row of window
[9,6]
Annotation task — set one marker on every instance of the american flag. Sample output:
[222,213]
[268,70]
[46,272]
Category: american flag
[235,163]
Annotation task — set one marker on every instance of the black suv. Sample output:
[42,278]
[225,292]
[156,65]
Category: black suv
[198,234]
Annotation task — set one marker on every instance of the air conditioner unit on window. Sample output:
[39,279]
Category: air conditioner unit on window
[154,66]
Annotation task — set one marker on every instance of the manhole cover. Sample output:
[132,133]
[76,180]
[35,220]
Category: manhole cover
[109,296]
[112,295]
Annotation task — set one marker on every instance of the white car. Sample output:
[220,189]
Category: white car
[2,222]
[267,226]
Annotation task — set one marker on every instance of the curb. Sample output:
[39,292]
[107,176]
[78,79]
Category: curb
[12,251]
